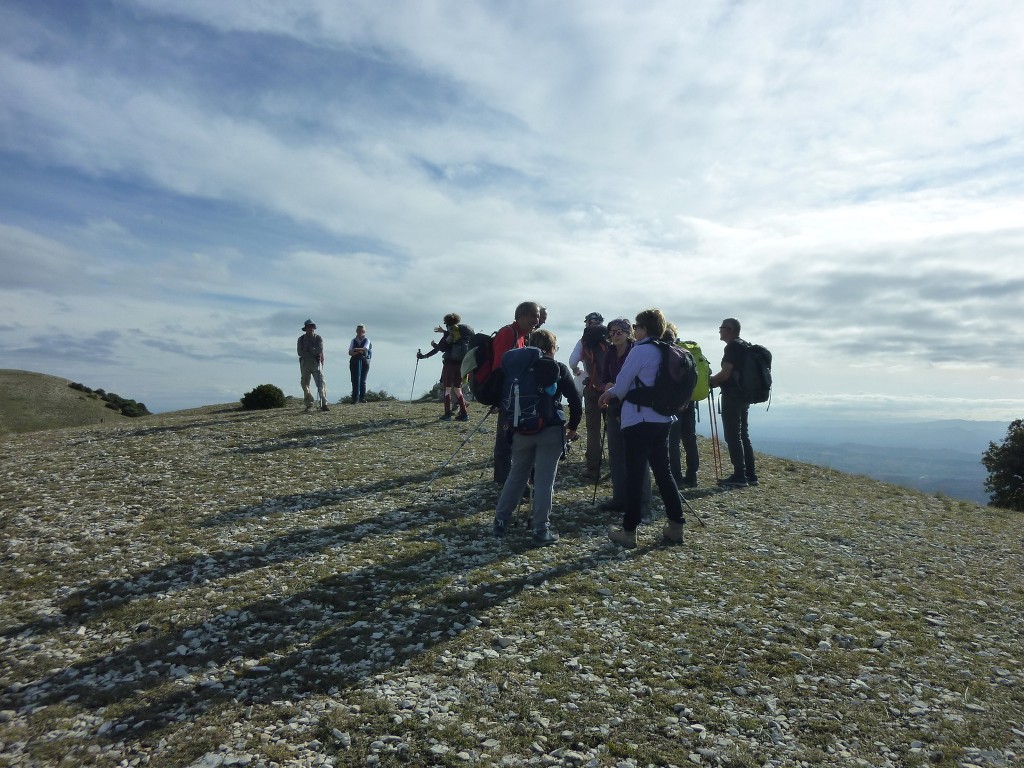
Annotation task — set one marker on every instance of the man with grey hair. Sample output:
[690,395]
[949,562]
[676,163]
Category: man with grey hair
[512,336]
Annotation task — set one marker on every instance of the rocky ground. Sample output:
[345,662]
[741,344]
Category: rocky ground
[219,587]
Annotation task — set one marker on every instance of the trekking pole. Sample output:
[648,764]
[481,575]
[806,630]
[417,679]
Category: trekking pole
[692,510]
[493,447]
[415,371]
[600,455]
[466,440]
[716,447]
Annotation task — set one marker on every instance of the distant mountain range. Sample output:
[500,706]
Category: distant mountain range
[933,457]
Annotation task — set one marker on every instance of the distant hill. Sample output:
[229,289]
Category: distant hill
[958,474]
[931,456]
[33,401]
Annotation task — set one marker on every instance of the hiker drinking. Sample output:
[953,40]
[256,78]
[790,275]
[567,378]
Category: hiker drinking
[360,351]
[735,410]
[453,345]
[537,430]
[644,433]
[310,348]
[589,353]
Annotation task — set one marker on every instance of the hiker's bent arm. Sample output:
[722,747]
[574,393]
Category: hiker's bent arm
[722,375]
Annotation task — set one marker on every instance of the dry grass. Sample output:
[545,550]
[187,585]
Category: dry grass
[33,401]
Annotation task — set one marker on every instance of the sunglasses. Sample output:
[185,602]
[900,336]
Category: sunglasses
[616,333]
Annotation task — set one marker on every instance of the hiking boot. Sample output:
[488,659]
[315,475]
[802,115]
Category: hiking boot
[688,482]
[673,532]
[499,529]
[611,505]
[462,417]
[324,407]
[736,481]
[544,538]
[309,409]
[622,537]
[752,480]
[445,417]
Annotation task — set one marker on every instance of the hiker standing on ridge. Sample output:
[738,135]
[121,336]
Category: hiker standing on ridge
[734,411]
[644,433]
[539,452]
[452,346]
[360,350]
[590,351]
[512,336]
[310,348]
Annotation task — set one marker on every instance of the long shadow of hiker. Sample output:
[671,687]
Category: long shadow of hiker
[331,634]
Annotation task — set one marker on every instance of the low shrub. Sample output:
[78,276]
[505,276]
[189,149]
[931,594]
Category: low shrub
[263,397]
[122,405]
[374,397]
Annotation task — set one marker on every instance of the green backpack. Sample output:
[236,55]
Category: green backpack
[703,388]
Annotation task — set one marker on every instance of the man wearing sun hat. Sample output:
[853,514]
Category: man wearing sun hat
[311,365]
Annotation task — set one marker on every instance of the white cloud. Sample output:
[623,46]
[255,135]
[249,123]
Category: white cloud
[840,176]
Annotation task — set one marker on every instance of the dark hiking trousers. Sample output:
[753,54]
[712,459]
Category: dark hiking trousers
[646,445]
[737,435]
[684,430]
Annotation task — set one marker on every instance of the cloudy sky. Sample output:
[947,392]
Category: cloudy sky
[185,183]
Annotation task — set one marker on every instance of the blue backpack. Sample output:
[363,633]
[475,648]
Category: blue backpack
[530,386]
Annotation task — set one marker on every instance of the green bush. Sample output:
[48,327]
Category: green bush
[265,396]
[134,409]
[1005,465]
[114,402]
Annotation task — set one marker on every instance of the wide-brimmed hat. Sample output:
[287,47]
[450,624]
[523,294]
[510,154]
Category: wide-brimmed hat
[308,323]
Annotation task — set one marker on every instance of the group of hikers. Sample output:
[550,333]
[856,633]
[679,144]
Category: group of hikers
[615,362]
[515,374]
[310,348]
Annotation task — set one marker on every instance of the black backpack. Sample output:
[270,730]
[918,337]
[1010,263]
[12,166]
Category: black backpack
[529,392]
[754,384]
[478,355]
[460,338]
[673,384]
